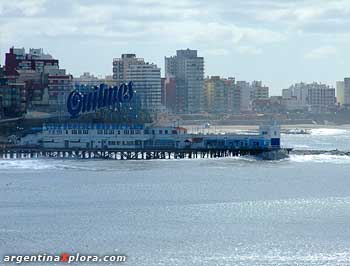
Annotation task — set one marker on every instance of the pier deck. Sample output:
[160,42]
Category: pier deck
[127,154]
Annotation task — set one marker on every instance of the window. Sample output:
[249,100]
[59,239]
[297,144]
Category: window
[166,132]
[99,131]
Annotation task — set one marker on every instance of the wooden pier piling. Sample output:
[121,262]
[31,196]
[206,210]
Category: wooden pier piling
[129,154]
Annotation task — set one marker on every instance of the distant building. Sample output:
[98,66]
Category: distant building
[259,91]
[17,59]
[321,98]
[219,95]
[147,84]
[346,91]
[59,86]
[315,97]
[145,77]
[231,95]
[10,100]
[287,93]
[109,81]
[87,79]
[169,93]
[121,66]
[247,96]
[188,70]
[298,90]
[269,105]
[11,96]
[340,92]
[31,82]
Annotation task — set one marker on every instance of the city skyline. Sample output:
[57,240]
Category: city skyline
[281,43]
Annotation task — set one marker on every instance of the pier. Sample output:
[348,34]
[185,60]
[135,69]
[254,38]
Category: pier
[128,154]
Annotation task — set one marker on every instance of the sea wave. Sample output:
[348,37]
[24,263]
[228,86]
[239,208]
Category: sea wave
[43,164]
[320,158]
[328,131]
[24,164]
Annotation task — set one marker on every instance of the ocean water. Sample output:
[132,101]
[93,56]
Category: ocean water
[230,211]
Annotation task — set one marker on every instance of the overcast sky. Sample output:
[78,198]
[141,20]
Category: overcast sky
[277,41]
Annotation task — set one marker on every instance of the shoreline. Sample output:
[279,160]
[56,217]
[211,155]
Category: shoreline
[255,127]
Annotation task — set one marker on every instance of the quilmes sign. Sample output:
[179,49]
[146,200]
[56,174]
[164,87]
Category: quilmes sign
[101,97]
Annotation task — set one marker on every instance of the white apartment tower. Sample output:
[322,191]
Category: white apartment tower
[145,77]
[188,70]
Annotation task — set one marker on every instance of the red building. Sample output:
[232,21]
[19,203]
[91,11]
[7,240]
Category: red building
[18,59]
[37,81]
[169,93]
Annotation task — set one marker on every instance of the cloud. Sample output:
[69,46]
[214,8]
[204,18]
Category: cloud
[248,50]
[321,53]
[276,30]
[22,7]
[187,21]
[217,52]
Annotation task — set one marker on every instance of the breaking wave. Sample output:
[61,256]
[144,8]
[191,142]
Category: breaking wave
[320,158]
[43,164]
[328,131]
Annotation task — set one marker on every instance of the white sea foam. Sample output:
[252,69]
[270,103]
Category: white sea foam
[25,164]
[43,164]
[328,131]
[320,158]
[301,146]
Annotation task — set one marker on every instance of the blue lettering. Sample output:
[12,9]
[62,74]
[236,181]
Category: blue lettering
[102,96]
[74,103]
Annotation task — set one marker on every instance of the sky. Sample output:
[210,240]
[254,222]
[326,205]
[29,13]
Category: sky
[280,42]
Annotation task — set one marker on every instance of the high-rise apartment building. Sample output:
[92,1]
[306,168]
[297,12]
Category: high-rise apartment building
[36,81]
[314,96]
[147,84]
[188,70]
[246,94]
[219,95]
[340,92]
[59,86]
[145,77]
[347,91]
[260,91]
[121,66]
[169,93]
[17,59]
